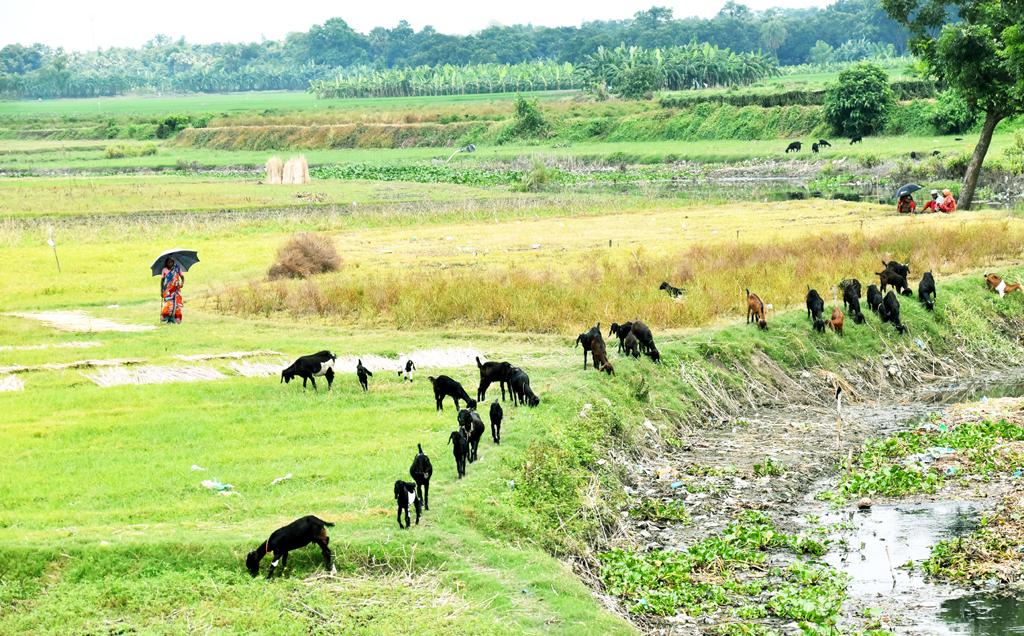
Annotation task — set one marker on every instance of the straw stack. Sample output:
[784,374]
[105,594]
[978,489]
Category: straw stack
[274,170]
[296,171]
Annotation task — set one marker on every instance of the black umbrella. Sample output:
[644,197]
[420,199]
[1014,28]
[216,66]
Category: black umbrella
[907,189]
[184,258]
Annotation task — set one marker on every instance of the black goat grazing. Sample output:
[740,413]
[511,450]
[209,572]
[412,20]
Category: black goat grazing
[406,372]
[852,303]
[491,372]
[473,428]
[674,292]
[631,346]
[497,414]
[874,298]
[586,339]
[899,283]
[654,355]
[891,313]
[445,386]
[405,495]
[460,449]
[420,471]
[815,309]
[913,155]
[849,282]
[926,291]
[363,373]
[295,535]
[856,139]
[795,147]
[310,368]
[643,335]
[903,269]
[823,143]
[814,147]
[519,382]
[621,331]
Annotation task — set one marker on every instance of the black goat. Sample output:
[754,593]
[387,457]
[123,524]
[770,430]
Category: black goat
[874,298]
[891,307]
[473,428]
[674,292]
[643,335]
[903,269]
[363,373]
[491,372]
[460,449]
[814,147]
[823,143]
[406,373]
[926,291]
[849,282]
[445,386]
[631,345]
[856,139]
[653,354]
[496,416]
[815,309]
[405,494]
[311,367]
[852,303]
[795,147]
[519,385]
[295,535]
[586,339]
[420,471]
[895,280]
[621,331]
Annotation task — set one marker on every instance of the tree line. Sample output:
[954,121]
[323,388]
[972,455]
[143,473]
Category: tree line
[847,30]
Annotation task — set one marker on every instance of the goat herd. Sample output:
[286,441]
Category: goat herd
[635,338]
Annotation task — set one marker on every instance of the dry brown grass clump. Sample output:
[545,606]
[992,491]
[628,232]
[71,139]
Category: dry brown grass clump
[275,169]
[304,255]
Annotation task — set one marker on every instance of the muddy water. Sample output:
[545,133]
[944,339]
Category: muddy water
[886,537]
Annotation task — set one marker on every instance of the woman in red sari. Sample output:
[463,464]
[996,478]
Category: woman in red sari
[170,291]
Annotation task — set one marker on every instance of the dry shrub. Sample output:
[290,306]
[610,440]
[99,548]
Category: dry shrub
[304,255]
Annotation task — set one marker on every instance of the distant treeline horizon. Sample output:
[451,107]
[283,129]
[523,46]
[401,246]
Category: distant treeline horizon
[845,31]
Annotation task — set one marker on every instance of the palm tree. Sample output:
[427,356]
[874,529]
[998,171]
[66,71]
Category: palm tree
[773,34]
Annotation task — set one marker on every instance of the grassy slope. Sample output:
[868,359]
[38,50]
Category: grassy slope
[92,465]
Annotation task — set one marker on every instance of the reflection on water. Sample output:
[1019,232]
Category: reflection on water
[956,395]
[983,615]
[909,532]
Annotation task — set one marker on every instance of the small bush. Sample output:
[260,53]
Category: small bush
[536,178]
[119,151]
[1014,153]
[952,115]
[172,125]
[305,255]
[870,160]
[148,148]
[639,82]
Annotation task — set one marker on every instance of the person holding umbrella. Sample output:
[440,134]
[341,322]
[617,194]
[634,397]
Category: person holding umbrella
[171,282]
[906,203]
[170,266]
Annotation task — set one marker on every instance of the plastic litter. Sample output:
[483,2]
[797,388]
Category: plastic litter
[920,343]
[667,471]
[214,484]
[952,470]
[280,479]
[939,450]
[677,484]
[984,399]
[628,490]
[194,467]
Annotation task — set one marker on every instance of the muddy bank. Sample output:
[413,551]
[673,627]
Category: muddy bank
[699,482]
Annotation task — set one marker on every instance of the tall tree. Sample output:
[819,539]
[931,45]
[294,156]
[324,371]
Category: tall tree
[773,34]
[975,56]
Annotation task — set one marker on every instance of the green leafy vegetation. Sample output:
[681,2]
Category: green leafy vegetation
[860,102]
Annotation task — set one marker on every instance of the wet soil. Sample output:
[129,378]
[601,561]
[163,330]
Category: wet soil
[805,441]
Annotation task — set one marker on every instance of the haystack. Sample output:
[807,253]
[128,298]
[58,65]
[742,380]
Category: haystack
[296,171]
[274,170]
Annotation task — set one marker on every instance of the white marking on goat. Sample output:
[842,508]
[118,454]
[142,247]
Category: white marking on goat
[274,563]
[324,366]
[411,497]
[1000,287]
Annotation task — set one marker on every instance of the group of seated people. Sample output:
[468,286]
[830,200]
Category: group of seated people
[943,202]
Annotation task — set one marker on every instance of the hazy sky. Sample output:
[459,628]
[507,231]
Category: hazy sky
[78,25]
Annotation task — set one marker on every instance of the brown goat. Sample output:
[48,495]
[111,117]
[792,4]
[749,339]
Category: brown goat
[837,321]
[600,355]
[998,284]
[755,310]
